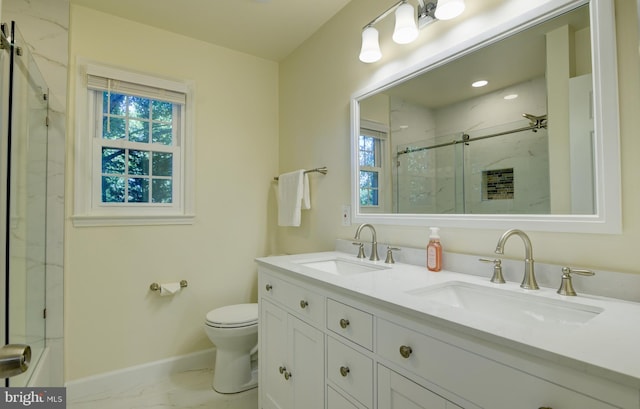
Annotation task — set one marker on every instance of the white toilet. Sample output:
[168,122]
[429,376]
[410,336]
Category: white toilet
[234,331]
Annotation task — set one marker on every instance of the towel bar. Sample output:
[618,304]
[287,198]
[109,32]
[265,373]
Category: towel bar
[322,170]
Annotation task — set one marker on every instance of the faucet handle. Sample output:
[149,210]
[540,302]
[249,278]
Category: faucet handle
[389,259]
[497,277]
[566,287]
[360,249]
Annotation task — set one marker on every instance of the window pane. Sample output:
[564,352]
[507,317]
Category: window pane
[367,158]
[162,111]
[113,128]
[138,190]
[114,104]
[368,197]
[162,190]
[138,131]
[112,160]
[138,162]
[162,133]
[367,150]
[368,179]
[162,164]
[112,189]
[138,107]
[368,188]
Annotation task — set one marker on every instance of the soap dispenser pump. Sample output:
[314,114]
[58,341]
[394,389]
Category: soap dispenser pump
[434,250]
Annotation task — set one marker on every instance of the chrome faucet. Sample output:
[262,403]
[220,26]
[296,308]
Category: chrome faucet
[529,280]
[374,241]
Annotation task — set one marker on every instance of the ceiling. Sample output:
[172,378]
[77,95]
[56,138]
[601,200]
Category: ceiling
[513,60]
[270,29]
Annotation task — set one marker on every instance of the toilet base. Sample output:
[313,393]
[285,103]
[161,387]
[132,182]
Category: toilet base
[234,374]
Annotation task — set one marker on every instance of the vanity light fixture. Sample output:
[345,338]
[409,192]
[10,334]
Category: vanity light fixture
[406,27]
[370,51]
[448,9]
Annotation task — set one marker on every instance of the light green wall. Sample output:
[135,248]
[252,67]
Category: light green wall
[317,81]
[112,320]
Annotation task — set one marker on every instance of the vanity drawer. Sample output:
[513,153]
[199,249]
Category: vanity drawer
[350,370]
[351,323]
[305,303]
[472,376]
[336,401]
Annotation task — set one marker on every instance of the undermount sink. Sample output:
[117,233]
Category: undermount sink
[508,306]
[340,266]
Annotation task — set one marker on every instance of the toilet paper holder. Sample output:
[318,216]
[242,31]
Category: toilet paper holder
[156,286]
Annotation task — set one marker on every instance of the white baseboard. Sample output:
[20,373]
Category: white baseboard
[144,374]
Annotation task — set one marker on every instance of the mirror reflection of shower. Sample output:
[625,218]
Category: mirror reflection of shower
[501,169]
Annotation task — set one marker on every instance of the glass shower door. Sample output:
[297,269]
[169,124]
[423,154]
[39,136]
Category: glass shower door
[27,195]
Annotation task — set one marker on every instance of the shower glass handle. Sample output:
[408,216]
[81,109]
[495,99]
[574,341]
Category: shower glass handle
[14,359]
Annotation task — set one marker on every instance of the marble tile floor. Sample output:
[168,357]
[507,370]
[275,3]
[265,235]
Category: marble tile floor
[183,390]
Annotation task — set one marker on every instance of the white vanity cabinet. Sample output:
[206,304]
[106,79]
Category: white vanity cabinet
[291,368]
[344,350]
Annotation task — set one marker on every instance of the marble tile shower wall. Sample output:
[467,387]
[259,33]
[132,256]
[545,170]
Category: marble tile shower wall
[45,27]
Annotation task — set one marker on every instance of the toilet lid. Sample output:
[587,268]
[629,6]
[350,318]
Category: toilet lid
[238,315]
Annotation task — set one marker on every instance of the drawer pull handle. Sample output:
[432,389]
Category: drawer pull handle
[303,304]
[344,370]
[344,323]
[405,351]
[268,287]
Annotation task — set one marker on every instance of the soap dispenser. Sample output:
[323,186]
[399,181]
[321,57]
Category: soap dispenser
[434,250]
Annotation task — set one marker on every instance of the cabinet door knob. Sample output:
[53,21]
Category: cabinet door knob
[405,351]
[344,370]
[268,287]
[344,323]
[303,304]
[284,372]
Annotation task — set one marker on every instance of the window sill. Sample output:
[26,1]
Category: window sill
[133,220]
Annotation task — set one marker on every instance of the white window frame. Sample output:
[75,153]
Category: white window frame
[88,207]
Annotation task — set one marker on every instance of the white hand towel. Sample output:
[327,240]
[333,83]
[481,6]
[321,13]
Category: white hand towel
[293,196]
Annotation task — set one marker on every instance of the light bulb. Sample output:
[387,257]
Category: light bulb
[448,9]
[370,51]
[406,29]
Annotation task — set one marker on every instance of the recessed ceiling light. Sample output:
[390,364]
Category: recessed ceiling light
[511,96]
[479,84]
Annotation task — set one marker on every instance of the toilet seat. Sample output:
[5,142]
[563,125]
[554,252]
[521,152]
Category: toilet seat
[233,316]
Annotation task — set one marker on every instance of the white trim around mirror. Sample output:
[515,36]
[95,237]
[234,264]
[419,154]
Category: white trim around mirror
[608,218]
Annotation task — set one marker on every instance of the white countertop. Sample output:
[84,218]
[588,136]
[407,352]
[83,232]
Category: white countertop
[607,345]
